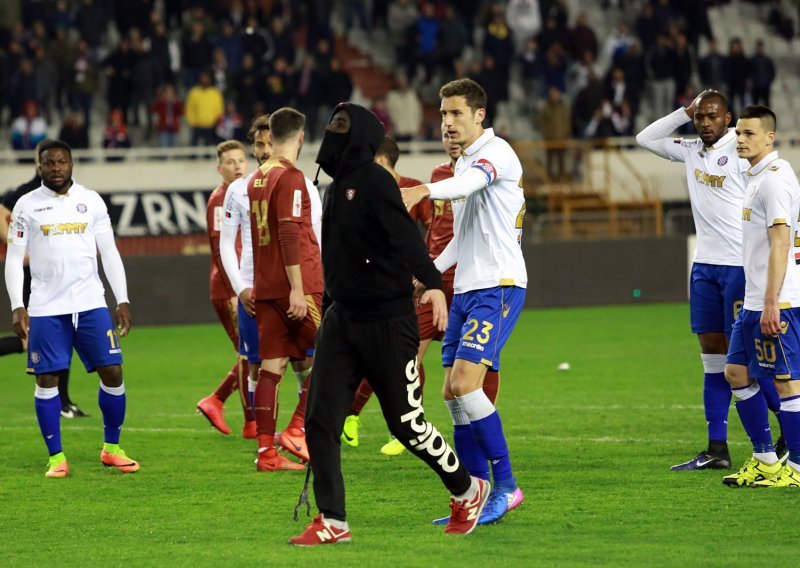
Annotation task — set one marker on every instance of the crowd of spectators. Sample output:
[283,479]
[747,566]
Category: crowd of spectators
[210,66]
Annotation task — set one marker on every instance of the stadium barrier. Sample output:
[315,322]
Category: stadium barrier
[173,289]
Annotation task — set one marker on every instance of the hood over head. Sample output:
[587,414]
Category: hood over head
[340,153]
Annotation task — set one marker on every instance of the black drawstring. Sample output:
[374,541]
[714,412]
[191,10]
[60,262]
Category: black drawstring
[303,499]
[316,177]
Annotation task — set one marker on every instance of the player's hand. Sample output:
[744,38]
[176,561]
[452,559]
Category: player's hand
[419,290]
[124,319]
[413,195]
[21,323]
[297,305]
[436,299]
[771,320]
[249,304]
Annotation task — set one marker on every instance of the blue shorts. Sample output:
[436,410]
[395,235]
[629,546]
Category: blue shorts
[248,336]
[716,294]
[767,357]
[480,323]
[52,338]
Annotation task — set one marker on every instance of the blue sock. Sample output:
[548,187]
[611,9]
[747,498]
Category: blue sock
[469,452]
[753,411]
[773,400]
[790,414]
[112,405]
[717,402]
[48,413]
[489,434]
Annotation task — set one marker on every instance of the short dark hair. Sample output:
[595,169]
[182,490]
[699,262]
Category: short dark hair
[44,145]
[227,146]
[768,118]
[259,124]
[389,150]
[467,88]
[286,122]
[714,94]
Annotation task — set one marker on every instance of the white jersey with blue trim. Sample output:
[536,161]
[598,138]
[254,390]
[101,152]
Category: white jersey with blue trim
[772,198]
[715,176]
[236,213]
[487,224]
[316,210]
[59,234]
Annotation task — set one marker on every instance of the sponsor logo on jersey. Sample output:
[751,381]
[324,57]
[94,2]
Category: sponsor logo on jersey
[297,203]
[746,213]
[42,209]
[81,207]
[709,179]
[350,194]
[63,229]
[486,167]
[722,161]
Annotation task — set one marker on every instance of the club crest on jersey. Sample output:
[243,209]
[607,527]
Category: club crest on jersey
[722,161]
[35,357]
[350,194]
[81,207]
[486,167]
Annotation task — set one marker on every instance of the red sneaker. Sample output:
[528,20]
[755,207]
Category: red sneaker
[320,532]
[464,514]
[293,440]
[211,408]
[249,430]
[271,460]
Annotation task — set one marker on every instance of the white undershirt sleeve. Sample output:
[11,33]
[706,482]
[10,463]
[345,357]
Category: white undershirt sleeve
[15,259]
[459,186]
[448,257]
[227,253]
[656,137]
[112,266]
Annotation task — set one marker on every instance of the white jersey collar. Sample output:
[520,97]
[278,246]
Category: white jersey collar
[724,141]
[763,163]
[50,193]
[487,135]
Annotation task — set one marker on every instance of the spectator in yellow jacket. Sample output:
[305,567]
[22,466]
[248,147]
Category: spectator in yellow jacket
[204,107]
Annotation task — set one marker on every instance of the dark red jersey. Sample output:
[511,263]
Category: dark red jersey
[278,195]
[421,212]
[440,231]
[219,286]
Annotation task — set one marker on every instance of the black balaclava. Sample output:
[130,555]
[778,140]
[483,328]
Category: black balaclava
[331,151]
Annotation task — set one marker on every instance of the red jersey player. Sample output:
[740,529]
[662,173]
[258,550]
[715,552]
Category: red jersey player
[287,285]
[231,165]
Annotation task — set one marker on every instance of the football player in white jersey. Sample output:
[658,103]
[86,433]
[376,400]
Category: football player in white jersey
[62,226]
[715,176]
[490,280]
[766,336]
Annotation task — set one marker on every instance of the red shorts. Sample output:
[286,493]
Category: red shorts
[425,316]
[279,336]
[227,315]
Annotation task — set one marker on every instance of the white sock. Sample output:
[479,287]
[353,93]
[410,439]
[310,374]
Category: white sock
[251,385]
[43,393]
[457,413]
[469,494]
[301,378]
[766,457]
[114,391]
[476,405]
[335,523]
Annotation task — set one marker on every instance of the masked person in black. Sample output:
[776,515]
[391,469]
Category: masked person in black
[371,251]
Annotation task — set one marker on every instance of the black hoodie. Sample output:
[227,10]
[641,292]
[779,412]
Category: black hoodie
[371,247]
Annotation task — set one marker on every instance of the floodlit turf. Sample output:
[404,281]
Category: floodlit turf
[591,448]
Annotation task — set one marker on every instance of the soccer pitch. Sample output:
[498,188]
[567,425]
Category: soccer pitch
[591,448]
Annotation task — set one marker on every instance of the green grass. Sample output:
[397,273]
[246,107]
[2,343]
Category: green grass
[591,448]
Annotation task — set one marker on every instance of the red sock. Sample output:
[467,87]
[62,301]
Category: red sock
[244,395]
[491,385]
[266,410]
[363,393]
[229,383]
[298,419]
